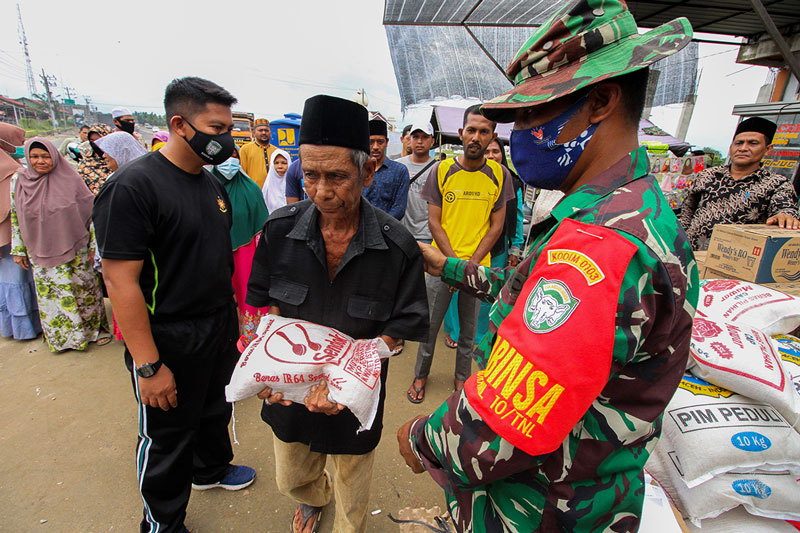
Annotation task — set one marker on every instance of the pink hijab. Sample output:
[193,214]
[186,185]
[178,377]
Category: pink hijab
[54,209]
[10,136]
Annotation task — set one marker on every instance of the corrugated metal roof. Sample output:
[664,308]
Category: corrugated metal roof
[726,17]
[472,12]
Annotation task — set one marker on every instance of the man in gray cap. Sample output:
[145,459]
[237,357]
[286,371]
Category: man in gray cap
[744,191]
[335,260]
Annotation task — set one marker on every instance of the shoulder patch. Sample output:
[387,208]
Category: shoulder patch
[552,354]
[583,263]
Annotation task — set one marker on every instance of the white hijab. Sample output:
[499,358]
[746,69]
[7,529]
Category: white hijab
[274,189]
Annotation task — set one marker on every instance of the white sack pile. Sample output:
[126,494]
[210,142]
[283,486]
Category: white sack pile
[730,433]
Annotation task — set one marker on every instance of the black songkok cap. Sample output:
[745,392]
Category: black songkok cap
[378,127]
[758,125]
[332,121]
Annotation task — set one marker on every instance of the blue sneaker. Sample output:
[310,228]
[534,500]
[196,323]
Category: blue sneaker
[236,478]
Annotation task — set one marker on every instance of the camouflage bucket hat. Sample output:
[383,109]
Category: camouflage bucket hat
[584,42]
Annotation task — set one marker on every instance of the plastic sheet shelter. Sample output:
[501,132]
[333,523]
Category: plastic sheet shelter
[452,48]
[649,132]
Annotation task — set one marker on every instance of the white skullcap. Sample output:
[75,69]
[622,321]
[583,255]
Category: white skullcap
[120,112]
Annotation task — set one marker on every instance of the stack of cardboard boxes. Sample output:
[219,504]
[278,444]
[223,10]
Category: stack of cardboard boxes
[761,254]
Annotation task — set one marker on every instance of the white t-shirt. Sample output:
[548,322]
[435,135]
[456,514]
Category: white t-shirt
[416,217]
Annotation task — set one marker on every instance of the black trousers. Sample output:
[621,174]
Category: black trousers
[189,443]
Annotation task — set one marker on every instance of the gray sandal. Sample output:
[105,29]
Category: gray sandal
[306,512]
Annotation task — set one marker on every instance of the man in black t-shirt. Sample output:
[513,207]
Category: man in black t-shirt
[163,229]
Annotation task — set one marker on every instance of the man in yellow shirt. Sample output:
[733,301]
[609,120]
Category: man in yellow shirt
[466,211]
[254,156]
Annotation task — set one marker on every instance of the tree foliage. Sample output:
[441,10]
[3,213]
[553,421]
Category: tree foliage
[717,159]
[153,119]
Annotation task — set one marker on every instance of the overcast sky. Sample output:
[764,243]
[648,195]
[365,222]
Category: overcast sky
[270,55]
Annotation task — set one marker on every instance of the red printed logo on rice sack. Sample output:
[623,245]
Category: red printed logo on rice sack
[719,285]
[292,344]
[702,329]
[724,349]
[552,354]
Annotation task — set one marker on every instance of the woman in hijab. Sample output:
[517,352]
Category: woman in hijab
[92,167]
[51,235]
[275,184]
[159,139]
[119,148]
[19,313]
[249,214]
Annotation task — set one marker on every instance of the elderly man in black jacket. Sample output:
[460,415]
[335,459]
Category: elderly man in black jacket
[335,260]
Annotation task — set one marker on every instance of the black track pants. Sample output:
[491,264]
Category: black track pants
[190,442]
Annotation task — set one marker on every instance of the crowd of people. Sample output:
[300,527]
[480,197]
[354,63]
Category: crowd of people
[580,329]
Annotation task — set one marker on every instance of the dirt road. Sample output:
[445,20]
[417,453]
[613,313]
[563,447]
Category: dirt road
[69,433]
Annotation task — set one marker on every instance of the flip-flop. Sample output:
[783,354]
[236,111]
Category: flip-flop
[306,512]
[398,348]
[103,339]
[417,391]
[450,343]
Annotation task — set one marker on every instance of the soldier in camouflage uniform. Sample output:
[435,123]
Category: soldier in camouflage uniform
[589,335]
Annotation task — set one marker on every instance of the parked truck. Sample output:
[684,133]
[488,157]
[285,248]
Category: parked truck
[242,128]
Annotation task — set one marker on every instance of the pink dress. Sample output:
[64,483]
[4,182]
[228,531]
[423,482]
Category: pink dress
[249,316]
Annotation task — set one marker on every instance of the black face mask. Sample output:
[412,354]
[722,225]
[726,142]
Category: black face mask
[213,149]
[126,126]
[97,151]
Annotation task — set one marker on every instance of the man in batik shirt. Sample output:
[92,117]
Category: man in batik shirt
[743,192]
[591,331]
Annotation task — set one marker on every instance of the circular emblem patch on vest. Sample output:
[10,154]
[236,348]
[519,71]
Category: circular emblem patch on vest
[549,305]
[450,197]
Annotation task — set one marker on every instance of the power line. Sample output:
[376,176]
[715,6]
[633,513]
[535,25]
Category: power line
[21,64]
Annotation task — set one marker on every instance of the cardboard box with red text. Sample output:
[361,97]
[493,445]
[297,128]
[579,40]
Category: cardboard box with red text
[754,252]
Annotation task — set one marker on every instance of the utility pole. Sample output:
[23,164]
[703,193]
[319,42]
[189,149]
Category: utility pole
[688,110]
[89,112]
[29,79]
[47,81]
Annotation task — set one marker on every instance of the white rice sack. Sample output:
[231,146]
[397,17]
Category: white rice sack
[290,356]
[789,349]
[769,494]
[744,360]
[739,520]
[742,302]
[714,430]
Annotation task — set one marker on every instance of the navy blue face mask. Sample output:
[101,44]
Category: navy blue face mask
[542,162]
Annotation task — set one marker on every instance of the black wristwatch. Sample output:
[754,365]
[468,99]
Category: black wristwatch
[148,370]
